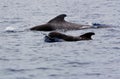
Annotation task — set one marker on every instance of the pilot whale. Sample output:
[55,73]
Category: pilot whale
[60,37]
[59,23]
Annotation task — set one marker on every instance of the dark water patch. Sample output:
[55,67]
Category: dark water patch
[46,68]
[111,48]
[13,31]
[4,59]
[43,68]
[93,74]
[5,6]
[54,75]
[10,31]
[17,70]
[78,64]
[117,48]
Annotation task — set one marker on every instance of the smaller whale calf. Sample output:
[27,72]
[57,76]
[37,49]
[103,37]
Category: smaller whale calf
[60,37]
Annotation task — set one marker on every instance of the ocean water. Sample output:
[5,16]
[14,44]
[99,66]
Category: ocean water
[25,55]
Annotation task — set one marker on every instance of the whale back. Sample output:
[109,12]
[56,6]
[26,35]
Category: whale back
[56,35]
[44,27]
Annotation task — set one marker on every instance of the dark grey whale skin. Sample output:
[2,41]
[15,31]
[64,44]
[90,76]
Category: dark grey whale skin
[60,37]
[59,23]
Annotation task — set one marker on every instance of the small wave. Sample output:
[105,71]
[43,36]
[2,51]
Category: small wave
[93,74]
[4,59]
[13,29]
[118,48]
[17,70]
[10,29]
[54,75]
[43,68]
[77,64]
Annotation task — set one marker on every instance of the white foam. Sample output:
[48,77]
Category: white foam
[10,29]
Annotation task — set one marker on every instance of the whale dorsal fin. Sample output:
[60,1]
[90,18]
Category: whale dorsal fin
[58,18]
[87,36]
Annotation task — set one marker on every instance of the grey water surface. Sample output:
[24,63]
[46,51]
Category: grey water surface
[25,55]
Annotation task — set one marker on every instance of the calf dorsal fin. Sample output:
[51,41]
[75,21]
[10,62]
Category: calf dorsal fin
[87,36]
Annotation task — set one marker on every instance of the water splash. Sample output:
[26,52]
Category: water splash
[10,29]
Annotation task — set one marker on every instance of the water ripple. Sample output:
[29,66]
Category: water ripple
[17,70]
[43,68]
[93,74]
[78,64]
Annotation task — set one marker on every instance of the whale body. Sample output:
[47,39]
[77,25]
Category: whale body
[59,23]
[60,37]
